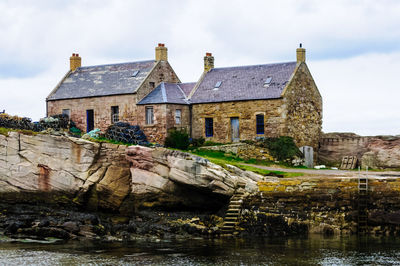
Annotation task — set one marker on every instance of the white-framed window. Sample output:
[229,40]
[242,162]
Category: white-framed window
[178,114]
[114,114]
[149,115]
[66,112]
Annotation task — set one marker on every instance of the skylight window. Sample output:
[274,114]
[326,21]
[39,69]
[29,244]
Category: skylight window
[135,73]
[267,81]
[218,84]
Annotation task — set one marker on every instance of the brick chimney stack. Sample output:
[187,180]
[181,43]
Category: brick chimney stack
[161,52]
[208,62]
[75,61]
[301,54]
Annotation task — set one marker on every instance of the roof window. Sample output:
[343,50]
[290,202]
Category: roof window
[267,81]
[135,73]
[218,84]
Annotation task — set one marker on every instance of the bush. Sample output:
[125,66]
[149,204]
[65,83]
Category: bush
[282,148]
[197,142]
[178,139]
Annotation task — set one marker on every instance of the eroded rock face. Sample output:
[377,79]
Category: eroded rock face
[111,177]
[181,177]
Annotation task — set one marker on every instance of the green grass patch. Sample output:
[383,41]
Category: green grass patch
[4,131]
[222,159]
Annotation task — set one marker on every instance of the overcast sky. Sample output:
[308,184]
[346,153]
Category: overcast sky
[353,47]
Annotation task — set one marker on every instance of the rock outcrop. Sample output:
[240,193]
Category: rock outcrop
[111,177]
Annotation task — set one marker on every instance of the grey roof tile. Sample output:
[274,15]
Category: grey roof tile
[103,80]
[165,93]
[187,87]
[243,83]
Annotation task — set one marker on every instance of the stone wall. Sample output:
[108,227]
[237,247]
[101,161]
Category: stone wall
[242,150]
[325,205]
[375,152]
[246,111]
[303,109]
[102,105]
[164,119]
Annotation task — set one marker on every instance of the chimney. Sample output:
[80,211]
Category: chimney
[74,62]
[208,62]
[301,54]
[161,52]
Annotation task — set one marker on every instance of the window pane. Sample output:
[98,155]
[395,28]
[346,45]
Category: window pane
[149,115]
[114,114]
[177,116]
[66,112]
[209,127]
[260,124]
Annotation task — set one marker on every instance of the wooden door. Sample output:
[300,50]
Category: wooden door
[235,129]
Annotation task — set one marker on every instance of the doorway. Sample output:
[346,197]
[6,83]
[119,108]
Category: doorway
[235,129]
[89,120]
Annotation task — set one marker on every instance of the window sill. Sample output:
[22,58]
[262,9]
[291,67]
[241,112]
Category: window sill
[150,125]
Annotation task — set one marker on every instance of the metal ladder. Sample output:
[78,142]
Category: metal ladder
[362,226]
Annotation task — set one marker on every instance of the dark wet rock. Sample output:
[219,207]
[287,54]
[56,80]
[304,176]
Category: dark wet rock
[71,227]
[43,232]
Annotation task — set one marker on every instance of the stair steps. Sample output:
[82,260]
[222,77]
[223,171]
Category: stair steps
[233,212]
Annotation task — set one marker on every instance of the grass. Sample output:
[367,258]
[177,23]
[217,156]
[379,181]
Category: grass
[222,159]
[5,131]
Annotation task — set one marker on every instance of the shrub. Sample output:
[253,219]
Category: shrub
[178,139]
[197,142]
[282,148]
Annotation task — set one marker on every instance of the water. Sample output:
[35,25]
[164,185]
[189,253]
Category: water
[314,250]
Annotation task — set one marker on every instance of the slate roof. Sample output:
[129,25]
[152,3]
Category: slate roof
[243,83]
[167,93]
[187,87]
[103,80]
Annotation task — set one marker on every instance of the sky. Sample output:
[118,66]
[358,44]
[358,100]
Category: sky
[353,47]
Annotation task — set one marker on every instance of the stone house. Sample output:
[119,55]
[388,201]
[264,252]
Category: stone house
[226,104]
[98,96]
[245,102]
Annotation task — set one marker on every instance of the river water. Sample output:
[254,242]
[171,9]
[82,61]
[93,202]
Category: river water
[314,250]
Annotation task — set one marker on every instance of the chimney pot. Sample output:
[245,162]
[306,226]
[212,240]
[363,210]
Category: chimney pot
[73,54]
[208,54]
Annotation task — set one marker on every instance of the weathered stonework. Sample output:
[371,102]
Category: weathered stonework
[373,151]
[164,119]
[303,109]
[325,205]
[246,111]
[242,150]
[128,111]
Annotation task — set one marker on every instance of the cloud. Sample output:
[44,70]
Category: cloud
[342,39]
[360,94]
